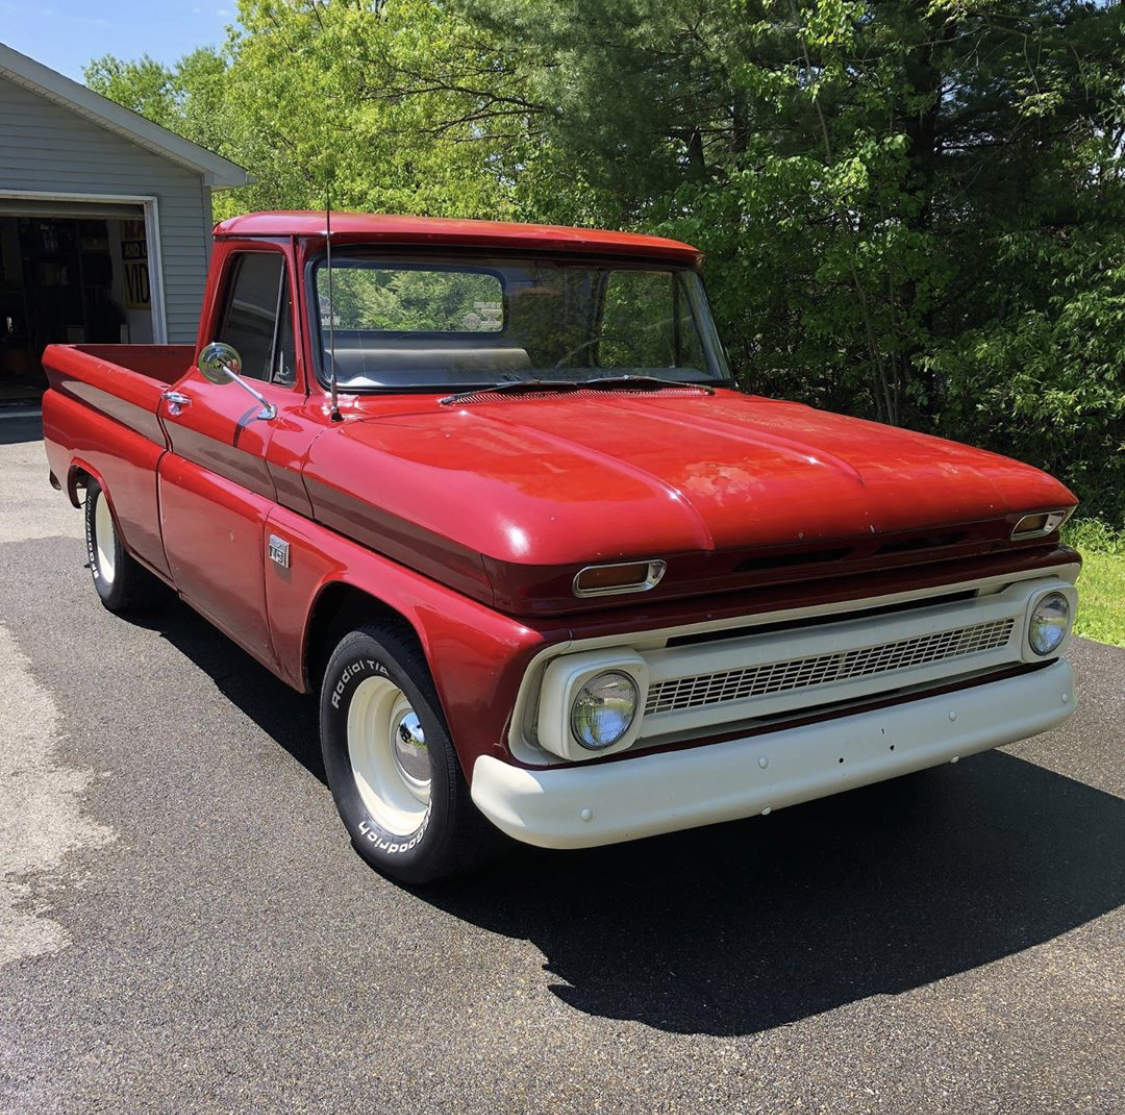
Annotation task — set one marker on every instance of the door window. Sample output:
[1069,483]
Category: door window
[258,303]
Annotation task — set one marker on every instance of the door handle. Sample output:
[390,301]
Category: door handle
[177,400]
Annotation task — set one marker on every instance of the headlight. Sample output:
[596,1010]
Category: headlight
[1050,621]
[603,710]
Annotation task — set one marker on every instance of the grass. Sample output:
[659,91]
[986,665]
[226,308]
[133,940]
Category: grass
[1101,587]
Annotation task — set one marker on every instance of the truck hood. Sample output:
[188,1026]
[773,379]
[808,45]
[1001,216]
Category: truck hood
[509,495]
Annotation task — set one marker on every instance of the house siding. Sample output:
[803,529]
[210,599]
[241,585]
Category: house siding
[46,147]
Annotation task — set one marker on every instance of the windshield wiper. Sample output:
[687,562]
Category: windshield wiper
[642,381]
[514,386]
[517,386]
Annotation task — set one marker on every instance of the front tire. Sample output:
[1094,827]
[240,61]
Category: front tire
[391,765]
[122,583]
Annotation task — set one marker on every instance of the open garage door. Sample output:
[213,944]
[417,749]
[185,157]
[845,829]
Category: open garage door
[71,272]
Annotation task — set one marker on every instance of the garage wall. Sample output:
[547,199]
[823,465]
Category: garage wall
[44,146]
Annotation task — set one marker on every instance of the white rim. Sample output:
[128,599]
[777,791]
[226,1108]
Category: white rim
[390,762]
[104,539]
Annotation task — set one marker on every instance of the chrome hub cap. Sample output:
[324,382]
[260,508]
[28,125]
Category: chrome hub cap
[390,761]
[103,539]
[410,751]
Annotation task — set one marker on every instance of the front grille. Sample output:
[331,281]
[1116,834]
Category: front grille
[681,694]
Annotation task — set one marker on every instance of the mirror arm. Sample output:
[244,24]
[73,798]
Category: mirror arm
[219,363]
[268,410]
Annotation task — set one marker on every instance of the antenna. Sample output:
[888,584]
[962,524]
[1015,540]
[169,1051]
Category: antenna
[334,406]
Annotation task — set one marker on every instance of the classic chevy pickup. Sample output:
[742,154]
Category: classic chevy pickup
[492,491]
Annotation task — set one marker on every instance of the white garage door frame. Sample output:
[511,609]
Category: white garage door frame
[151,207]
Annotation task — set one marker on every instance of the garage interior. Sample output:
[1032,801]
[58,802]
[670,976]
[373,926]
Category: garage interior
[70,273]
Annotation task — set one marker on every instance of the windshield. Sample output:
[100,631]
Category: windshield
[449,323]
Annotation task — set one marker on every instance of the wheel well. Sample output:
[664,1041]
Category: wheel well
[77,479]
[339,609]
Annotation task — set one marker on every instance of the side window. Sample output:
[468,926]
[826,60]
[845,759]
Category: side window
[250,322]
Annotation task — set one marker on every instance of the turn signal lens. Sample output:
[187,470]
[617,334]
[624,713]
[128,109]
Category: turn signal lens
[603,710]
[1050,621]
[1040,524]
[608,580]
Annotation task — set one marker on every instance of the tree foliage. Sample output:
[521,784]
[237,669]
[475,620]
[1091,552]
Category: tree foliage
[911,209]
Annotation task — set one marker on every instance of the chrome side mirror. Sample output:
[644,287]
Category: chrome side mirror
[220,363]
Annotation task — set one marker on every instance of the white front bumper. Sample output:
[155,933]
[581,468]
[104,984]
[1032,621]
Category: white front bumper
[629,798]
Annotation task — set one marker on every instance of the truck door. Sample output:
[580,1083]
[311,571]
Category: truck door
[215,487]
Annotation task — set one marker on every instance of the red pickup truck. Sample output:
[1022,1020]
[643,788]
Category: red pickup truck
[492,491]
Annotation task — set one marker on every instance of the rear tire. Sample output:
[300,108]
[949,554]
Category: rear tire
[391,766]
[122,583]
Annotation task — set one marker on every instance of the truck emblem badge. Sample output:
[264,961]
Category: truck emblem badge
[279,551]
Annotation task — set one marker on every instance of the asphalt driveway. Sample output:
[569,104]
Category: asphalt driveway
[183,926]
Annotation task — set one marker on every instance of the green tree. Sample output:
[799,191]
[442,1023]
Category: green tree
[390,98]
[911,209]
[898,200]
[189,98]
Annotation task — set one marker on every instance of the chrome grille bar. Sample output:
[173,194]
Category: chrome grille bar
[701,690]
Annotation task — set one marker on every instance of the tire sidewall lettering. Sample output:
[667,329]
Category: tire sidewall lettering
[91,533]
[393,847]
[353,670]
[106,590]
[367,833]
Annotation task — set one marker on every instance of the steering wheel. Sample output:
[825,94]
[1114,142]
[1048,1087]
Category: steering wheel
[575,351]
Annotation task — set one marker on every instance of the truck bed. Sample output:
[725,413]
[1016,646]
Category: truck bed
[166,363]
[100,418]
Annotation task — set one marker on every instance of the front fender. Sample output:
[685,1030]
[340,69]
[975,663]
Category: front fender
[477,656]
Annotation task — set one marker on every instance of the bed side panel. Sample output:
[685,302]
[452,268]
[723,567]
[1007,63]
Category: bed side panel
[101,417]
[166,363]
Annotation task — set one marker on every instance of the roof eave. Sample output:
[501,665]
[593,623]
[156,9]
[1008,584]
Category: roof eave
[217,172]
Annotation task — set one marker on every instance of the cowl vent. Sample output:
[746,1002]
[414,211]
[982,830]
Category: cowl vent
[584,393]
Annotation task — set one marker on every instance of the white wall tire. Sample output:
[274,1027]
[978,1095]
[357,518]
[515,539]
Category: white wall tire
[404,801]
[121,582]
[106,541]
[391,773]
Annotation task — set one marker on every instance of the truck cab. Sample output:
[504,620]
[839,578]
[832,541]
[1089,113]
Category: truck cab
[492,492]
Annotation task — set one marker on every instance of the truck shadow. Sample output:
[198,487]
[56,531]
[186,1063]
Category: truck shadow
[747,926]
[288,717]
